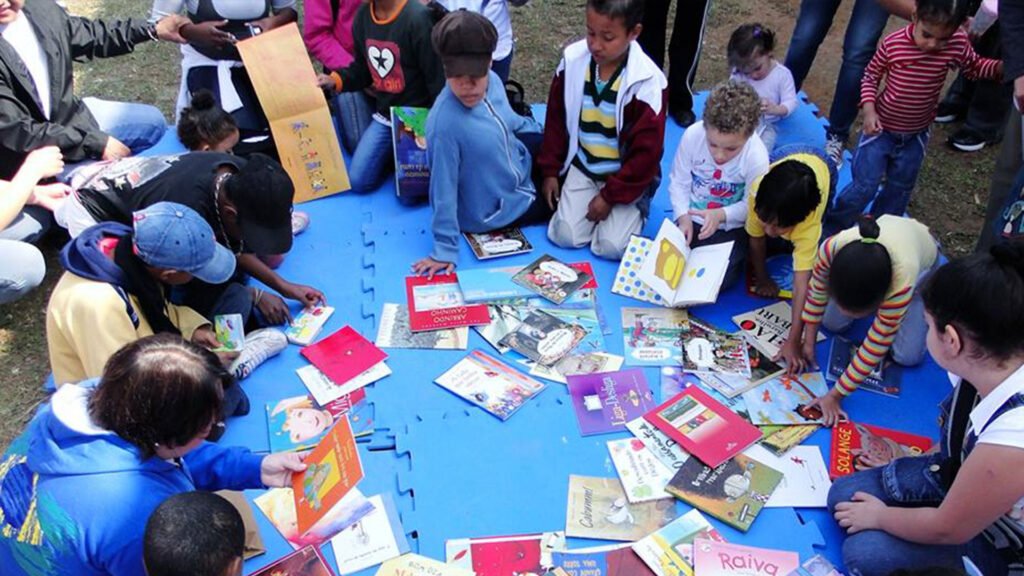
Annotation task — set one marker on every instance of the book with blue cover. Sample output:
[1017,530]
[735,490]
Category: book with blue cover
[885,379]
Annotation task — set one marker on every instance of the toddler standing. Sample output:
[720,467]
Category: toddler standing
[752,61]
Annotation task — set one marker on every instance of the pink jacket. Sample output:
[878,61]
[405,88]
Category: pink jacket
[330,40]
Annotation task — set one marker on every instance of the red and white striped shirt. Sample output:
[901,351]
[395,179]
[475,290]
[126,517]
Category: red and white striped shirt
[914,78]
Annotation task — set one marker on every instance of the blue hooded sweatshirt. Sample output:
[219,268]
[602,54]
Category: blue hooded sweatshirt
[74,498]
[479,168]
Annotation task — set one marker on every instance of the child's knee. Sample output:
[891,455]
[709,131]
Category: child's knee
[909,353]
[562,233]
[842,490]
[609,248]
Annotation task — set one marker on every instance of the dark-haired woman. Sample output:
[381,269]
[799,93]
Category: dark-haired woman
[872,268]
[965,499]
[77,487]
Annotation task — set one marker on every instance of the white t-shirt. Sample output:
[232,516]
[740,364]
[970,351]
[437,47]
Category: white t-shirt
[22,37]
[497,12]
[777,87]
[698,183]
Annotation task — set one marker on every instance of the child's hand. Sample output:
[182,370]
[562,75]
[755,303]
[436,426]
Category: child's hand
[792,354]
[831,407]
[872,124]
[766,287]
[598,209]
[204,336]
[50,196]
[43,163]
[713,220]
[807,350]
[428,266]
[862,512]
[115,149]
[685,224]
[549,188]
[274,310]
[325,82]
[208,34]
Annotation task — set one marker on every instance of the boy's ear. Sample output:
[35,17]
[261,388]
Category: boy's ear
[635,32]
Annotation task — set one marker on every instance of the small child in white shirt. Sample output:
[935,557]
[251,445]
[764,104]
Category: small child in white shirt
[752,61]
[716,164]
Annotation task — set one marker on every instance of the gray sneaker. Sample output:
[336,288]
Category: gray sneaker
[260,345]
[834,148]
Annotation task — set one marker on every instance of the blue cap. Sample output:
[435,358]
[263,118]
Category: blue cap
[173,236]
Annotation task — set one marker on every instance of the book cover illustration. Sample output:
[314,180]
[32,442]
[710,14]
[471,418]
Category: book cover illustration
[780,270]
[333,468]
[805,482]
[490,384]
[586,318]
[818,565]
[416,565]
[885,379]
[605,401]
[229,331]
[643,476]
[734,491]
[762,369]
[409,142]
[598,508]
[505,242]
[436,303]
[299,423]
[278,505]
[627,277]
[674,381]
[343,355]
[543,338]
[495,285]
[505,555]
[661,445]
[576,365]
[504,319]
[669,551]
[613,560]
[767,328]
[652,336]
[784,400]
[708,349]
[781,439]
[852,441]
[703,426]
[305,327]
[325,391]
[373,539]
[395,331]
[551,278]
[680,275]
[305,562]
[713,558]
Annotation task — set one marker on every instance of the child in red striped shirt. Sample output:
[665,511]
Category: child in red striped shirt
[914,62]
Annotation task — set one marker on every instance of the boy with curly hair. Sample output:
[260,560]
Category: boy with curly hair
[716,164]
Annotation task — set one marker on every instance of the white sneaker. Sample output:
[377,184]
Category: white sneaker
[300,221]
[260,345]
[834,148]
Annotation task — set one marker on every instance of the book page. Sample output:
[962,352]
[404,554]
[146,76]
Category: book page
[662,270]
[704,273]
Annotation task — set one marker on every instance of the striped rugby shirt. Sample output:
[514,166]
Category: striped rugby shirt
[598,154]
[914,78]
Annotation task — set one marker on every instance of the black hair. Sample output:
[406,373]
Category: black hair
[193,533]
[159,390]
[631,12]
[861,271]
[982,295]
[146,289]
[748,41]
[788,194]
[204,122]
[951,13]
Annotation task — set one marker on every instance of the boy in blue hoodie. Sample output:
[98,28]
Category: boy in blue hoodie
[479,168]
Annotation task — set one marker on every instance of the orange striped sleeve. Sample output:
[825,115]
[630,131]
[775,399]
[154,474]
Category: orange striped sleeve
[876,345]
[817,292]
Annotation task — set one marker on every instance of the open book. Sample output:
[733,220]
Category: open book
[683,276]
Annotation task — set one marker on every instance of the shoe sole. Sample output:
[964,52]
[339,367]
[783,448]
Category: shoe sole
[968,147]
[945,119]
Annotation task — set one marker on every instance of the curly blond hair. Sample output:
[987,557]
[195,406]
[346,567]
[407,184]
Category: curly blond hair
[733,108]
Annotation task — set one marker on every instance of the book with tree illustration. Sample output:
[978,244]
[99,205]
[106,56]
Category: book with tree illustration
[409,141]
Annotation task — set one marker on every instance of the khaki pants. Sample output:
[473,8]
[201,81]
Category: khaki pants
[570,228]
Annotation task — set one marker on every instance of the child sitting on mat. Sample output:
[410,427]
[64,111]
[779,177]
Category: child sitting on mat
[752,61]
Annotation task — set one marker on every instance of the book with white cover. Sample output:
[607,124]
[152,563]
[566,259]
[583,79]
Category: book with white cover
[805,482]
[642,475]
[683,276]
[325,390]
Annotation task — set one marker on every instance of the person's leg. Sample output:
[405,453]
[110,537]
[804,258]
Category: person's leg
[684,55]
[23,269]
[503,67]
[569,226]
[835,321]
[812,24]
[1007,167]
[137,126]
[987,105]
[862,33]
[954,104]
[901,174]
[652,35]
[373,158]
[612,234]
[909,346]
[28,226]
[355,113]
[738,256]
[1009,227]
[869,165]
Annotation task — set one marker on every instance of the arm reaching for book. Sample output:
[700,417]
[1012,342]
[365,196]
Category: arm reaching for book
[831,407]
[428,266]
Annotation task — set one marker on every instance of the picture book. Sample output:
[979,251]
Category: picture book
[333,468]
[505,555]
[851,441]
[605,401]
[343,355]
[305,562]
[653,336]
[493,285]
[409,143]
[784,400]
[325,391]
[374,538]
[762,369]
[627,277]
[586,318]
[780,269]
[229,331]
[505,242]
[643,476]
[818,565]
[674,381]
[708,349]
[577,364]
[598,509]
[305,327]
[767,328]
[885,379]
[490,384]
[664,448]
[669,551]
[680,275]
[543,338]
[703,426]
[299,423]
[436,303]
[416,565]
[613,560]
[805,482]
[781,439]
[713,558]
[395,331]
[504,319]
[551,278]
[278,505]
[735,491]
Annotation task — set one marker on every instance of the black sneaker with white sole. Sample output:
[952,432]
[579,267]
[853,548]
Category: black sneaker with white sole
[966,140]
[948,113]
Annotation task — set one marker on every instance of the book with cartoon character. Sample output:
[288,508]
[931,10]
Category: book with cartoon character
[724,559]
[333,468]
[375,538]
[612,560]
[885,379]
[505,242]
[605,401]
[490,384]
[643,476]
[305,562]
[708,349]
[577,364]
[762,369]
[495,285]
[683,276]
[409,141]
[278,505]
[598,508]
[784,400]
[852,442]
[395,331]
[543,338]
[653,336]
[230,332]
[505,555]
[551,278]
[735,491]
[669,551]
[299,423]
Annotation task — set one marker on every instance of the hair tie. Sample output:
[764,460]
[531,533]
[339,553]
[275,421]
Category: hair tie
[757,31]
[869,240]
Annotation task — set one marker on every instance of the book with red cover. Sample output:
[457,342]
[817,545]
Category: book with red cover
[436,303]
[333,468]
[850,440]
[703,426]
[305,562]
[343,355]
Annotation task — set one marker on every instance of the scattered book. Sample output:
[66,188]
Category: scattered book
[409,143]
[325,391]
[613,560]
[674,381]
[333,469]
[781,439]
[490,384]
[852,440]
[416,565]
[504,319]
[436,303]
[703,426]
[784,400]
[817,565]
[373,539]
[598,509]
[643,476]
[278,505]
[762,369]
[664,448]
[551,278]
[493,285]
[669,550]
[395,331]
[734,491]
[708,349]
[299,423]
[627,278]
[543,338]
[578,364]
[767,328]
[305,327]
[505,555]
[885,379]
[683,276]
[780,269]
[805,482]
[505,242]
[342,356]
[713,558]
[652,336]
[230,332]
[305,562]
[586,318]
[605,401]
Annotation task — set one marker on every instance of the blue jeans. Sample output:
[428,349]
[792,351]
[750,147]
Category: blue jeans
[372,154]
[503,67]
[137,126]
[889,156]
[905,483]
[908,346]
[862,33]
[23,269]
[354,113]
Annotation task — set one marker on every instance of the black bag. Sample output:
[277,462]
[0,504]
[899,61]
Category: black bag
[517,98]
